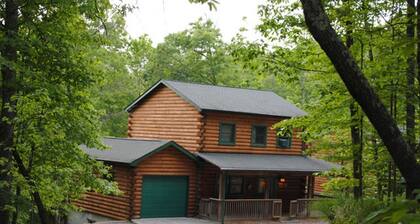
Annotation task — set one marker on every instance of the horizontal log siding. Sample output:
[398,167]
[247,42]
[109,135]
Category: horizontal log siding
[209,179]
[166,162]
[165,115]
[116,207]
[243,134]
[318,185]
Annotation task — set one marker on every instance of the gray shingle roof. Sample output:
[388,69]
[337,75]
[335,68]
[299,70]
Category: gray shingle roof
[218,98]
[130,151]
[262,162]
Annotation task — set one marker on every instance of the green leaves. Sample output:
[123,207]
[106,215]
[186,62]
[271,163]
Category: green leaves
[62,49]
[405,211]
[211,3]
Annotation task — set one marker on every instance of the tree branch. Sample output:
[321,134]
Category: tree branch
[359,87]
[35,194]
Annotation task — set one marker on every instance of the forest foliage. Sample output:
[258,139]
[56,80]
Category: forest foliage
[77,69]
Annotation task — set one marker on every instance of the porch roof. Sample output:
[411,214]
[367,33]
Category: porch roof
[131,151]
[263,162]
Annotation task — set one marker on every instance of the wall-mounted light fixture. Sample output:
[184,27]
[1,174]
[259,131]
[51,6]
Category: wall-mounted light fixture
[281,182]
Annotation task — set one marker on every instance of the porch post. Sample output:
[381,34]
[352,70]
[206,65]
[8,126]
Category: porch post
[310,187]
[267,187]
[222,194]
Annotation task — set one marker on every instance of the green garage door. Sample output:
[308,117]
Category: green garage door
[164,196]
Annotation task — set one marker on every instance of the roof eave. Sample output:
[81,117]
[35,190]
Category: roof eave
[134,104]
[135,162]
[248,113]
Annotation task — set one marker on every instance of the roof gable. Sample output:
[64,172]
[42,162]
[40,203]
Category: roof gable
[227,99]
[132,151]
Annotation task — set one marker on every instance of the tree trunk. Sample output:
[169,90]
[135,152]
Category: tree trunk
[16,212]
[354,124]
[42,212]
[410,76]
[418,55]
[359,87]
[377,170]
[356,146]
[8,90]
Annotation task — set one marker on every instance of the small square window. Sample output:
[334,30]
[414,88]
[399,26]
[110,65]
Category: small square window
[284,141]
[227,134]
[259,135]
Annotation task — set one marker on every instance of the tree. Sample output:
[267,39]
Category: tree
[49,66]
[9,89]
[197,54]
[358,86]
[380,48]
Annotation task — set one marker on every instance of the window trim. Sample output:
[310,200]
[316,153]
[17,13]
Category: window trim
[234,134]
[253,135]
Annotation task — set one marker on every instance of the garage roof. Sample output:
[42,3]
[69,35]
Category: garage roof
[263,162]
[130,150]
[229,99]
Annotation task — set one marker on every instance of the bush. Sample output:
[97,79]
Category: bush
[344,209]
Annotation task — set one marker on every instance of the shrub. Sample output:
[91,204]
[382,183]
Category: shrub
[344,209]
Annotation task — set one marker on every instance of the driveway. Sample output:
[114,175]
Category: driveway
[204,221]
[173,221]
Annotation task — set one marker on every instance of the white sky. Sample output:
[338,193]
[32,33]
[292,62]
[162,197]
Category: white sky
[158,18]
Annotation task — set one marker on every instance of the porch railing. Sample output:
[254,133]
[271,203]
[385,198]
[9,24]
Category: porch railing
[302,208]
[236,209]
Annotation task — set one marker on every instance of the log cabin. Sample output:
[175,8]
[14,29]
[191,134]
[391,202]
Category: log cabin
[206,150]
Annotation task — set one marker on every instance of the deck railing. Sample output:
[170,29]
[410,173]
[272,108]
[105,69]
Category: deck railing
[236,209]
[302,208]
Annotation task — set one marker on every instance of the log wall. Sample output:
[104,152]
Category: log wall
[318,186]
[243,134]
[165,115]
[209,181]
[116,207]
[167,162]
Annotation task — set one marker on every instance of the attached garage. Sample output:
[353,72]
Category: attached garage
[164,196]
[159,180]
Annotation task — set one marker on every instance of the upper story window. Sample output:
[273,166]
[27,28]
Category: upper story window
[284,138]
[227,134]
[259,135]
[284,141]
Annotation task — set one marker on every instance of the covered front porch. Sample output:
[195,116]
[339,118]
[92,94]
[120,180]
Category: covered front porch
[256,187]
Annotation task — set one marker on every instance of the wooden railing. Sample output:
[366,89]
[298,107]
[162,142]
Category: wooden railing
[302,208]
[236,209]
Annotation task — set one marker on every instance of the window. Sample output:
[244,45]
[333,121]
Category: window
[227,134]
[259,135]
[284,141]
[284,137]
[236,185]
